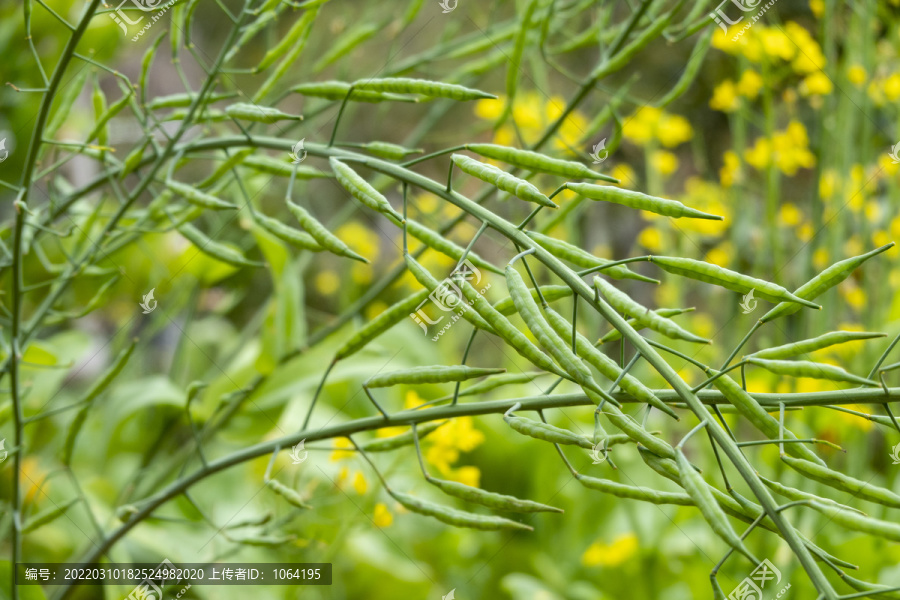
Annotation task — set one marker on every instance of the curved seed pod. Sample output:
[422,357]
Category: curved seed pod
[294,34]
[434,89]
[822,282]
[214,249]
[615,334]
[644,316]
[643,494]
[198,198]
[806,346]
[384,321]
[273,166]
[430,374]
[321,234]
[805,368]
[585,259]
[207,115]
[508,332]
[434,240]
[549,292]
[263,541]
[455,517]
[360,189]
[132,161]
[48,516]
[291,496]
[431,284]
[350,39]
[751,410]
[290,235]
[604,364]
[546,432]
[634,430]
[260,114]
[839,481]
[545,335]
[639,201]
[496,381]
[699,491]
[337,90]
[404,439]
[533,161]
[795,494]
[501,180]
[690,71]
[391,151]
[874,591]
[857,522]
[185,99]
[490,499]
[730,280]
[253,28]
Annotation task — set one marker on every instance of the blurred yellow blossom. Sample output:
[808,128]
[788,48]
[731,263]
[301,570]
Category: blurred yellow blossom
[327,282]
[789,214]
[776,43]
[892,87]
[725,97]
[382,517]
[621,550]
[458,435]
[340,454]
[467,475]
[360,238]
[360,485]
[730,173]
[651,239]
[816,84]
[640,127]
[664,162]
[857,75]
[533,114]
[821,258]
[749,84]
[721,254]
[673,130]
[625,174]
[827,183]
[817,7]
[788,149]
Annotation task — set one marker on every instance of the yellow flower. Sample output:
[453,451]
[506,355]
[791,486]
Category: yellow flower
[622,549]
[651,239]
[805,232]
[725,97]
[673,130]
[776,43]
[489,109]
[641,125]
[341,454]
[459,435]
[706,196]
[789,214]
[360,273]
[857,75]
[382,517]
[730,173]
[625,174]
[816,84]
[892,87]
[360,238]
[827,183]
[749,84]
[470,476]
[817,7]
[327,282]
[665,163]
[375,308]
[760,154]
[820,258]
[412,400]
[875,93]
[720,255]
[887,165]
[881,237]
[359,483]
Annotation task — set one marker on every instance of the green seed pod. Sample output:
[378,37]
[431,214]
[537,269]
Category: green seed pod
[496,381]
[349,40]
[47,516]
[455,517]
[616,335]
[644,494]
[320,233]
[585,259]
[546,432]
[502,180]
[549,292]
[644,316]
[874,591]
[263,541]
[639,201]
[515,59]
[185,99]
[839,481]
[132,161]
[273,166]
[730,280]
[745,404]
[208,115]
[226,167]
[430,374]
[804,368]
[198,198]
[822,282]
[404,439]
[337,90]
[384,321]
[434,240]
[604,364]
[806,346]
[855,521]
[431,284]
[290,235]
[434,89]
[250,30]
[533,161]
[214,249]
[294,35]
[699,491]
[259,114]
[796,495]
[291,496]
[360,189]
[633,429]
[390,151]
[490,499]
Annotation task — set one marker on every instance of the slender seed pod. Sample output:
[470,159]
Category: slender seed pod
[806,346]
[360,189]
[291,496]
[639,201]
[430,374]
[795,494]
[226,167]
[455,517]
[515,58]
[350,39]
[384,321]
[391,151]
[502,180]
[449,297]
[822,282]
[546,432]
[533,161]
[839,481]
[48,516]
[273,166]
[434,240]
[644,494]
[284,45]
[730,280]
[321,234]
[879,592]
[644,316]
[185,99]
[252,29]
[616,335]
[259,114]
[690,71]
[490,499]
[215,249]
[626,424]
[208,115]
[132,161]
[290,235]
[584,259]
[337,90]
[545,335]
[699,491]
[434,89]
[198,198]
[805,368]
[855,521]
[263,541]
[604,364]
[550,293]
[496,381]
[404,439]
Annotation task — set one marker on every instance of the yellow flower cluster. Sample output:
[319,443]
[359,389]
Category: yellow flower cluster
[726,96]
[617,552]
[650,123]
[787,149]
[791,43]
[533,113]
